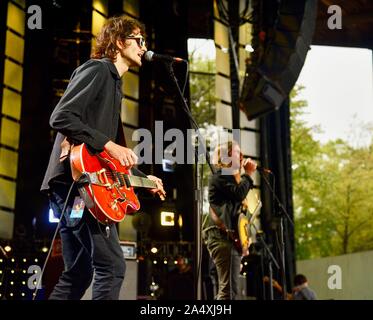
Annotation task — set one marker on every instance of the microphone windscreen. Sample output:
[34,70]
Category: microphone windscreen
[148,55]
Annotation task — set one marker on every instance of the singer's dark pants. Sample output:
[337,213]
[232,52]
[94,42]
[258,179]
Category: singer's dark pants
[227,262]
[87,250]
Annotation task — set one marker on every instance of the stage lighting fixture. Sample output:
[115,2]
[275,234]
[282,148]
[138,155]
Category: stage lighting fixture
[168,165]
[167,218]
[249,48]
[52,218]
[8,248]
[154,250]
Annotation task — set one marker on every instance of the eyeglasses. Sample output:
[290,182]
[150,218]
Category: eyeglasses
[140,40]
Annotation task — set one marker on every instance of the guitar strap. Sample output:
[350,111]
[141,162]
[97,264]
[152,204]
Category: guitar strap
[219,223]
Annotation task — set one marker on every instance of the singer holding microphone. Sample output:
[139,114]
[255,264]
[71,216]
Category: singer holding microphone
[227,189]
[89,112]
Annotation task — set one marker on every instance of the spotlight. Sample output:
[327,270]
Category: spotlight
[180,221]
[154,250]
[8,248]
[167,218]
[249,48]
[154,261]
[44,249]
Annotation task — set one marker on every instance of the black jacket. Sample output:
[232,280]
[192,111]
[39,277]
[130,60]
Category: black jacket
[226,196]
[88,112]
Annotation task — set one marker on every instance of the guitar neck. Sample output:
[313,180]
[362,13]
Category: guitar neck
[135,181]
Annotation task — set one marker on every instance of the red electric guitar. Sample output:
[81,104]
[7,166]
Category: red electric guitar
[110,184]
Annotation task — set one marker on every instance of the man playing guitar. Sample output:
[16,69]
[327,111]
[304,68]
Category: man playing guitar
[89,113]
[227,189]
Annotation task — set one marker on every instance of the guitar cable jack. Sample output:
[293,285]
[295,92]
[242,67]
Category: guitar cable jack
[107,229]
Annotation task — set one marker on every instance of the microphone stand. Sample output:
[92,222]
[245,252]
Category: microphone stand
[281,226]
[198,179]
[271,259]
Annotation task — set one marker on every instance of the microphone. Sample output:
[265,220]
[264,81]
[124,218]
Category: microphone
[151,56]
[264,170]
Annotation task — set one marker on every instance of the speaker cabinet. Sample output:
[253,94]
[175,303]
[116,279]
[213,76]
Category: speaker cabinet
[128,290]
[269,81]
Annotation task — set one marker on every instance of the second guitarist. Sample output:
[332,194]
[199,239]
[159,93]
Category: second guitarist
[227,189]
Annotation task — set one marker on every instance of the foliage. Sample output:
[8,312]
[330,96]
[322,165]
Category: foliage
[202,90]
[332,188]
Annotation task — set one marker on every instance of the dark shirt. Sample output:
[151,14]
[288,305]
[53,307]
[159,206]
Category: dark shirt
[88,112]
[305,294]
[226,196]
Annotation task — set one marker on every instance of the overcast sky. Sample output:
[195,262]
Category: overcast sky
[338,85]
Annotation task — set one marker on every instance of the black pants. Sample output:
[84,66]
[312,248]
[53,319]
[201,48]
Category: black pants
[227,262]
[87,250]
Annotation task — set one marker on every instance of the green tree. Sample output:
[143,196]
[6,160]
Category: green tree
[202,90]
[333,188]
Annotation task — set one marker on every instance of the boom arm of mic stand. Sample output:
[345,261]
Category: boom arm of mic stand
[189,114]
[268,250]
[270,260]
[277,199]
[282,243]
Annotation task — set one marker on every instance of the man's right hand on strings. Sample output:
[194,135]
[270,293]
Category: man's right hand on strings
[124,155]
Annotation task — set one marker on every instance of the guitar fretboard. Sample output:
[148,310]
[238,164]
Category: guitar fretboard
[129,180]
[135,181]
